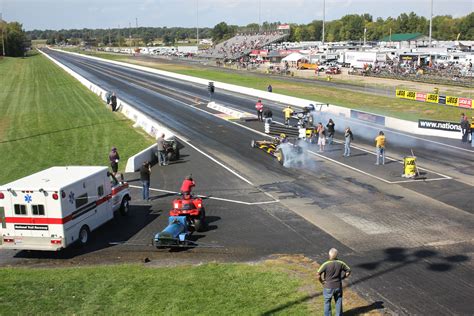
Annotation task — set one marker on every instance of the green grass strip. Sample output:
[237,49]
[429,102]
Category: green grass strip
[49,119]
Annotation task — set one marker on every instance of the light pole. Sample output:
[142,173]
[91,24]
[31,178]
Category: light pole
[324,18]
[431,21]
[259,15]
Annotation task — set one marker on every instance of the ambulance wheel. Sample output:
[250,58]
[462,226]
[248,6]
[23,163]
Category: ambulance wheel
[84,235]
[124,207]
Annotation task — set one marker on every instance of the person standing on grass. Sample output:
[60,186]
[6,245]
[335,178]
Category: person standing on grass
[108,95]
[348,138]
[160,146]
[330,274]
[380,148]
[331,131]
[259,108]
[113,102]
[321,136]
[270,88]
[145,172]
[114,158]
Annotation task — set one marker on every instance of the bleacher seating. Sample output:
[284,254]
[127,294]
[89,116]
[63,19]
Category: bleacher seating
[242,44]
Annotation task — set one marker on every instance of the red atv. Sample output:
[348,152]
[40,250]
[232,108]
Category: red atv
[192,208]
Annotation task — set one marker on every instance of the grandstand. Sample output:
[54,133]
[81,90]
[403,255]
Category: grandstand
[242,44]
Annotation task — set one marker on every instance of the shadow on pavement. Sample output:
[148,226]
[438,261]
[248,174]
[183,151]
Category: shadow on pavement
[118,230]
[364,309]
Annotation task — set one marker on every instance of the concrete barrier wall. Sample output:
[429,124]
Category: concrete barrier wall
[142,120]
[392,123]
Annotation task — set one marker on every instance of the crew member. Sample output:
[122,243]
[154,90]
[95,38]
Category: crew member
[259,108]
[114,160]
[288,111]
[380,147]
[187,185]
[267,113]
[113,102]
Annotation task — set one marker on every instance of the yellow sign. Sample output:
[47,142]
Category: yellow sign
[400,93]
[411,95]
[409,167]
[433,98]
[452,101]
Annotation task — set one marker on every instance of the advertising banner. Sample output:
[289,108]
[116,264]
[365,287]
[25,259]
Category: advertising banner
[465,103]
[373,118]
[410,95]
[400,93]
[442,99]
[440,125]
[432,98]
[453,101]
[420,96]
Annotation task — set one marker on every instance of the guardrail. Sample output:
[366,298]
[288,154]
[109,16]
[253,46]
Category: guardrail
[390,122]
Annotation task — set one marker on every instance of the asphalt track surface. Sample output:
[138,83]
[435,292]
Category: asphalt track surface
[409,243]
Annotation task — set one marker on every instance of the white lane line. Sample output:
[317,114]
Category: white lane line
[350,167]
[374,176]
[394,159]
[213,197]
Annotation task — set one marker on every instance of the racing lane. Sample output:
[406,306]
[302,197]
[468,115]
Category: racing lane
[384,230]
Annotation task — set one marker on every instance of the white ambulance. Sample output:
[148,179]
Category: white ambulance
[56,207]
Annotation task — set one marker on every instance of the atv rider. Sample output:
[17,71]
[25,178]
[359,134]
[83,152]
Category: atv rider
[187,186]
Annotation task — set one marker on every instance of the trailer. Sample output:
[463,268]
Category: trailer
[360,59]
[59,206]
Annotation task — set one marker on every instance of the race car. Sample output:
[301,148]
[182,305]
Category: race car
[273,147]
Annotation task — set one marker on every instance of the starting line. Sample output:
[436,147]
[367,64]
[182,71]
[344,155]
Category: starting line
[211,197]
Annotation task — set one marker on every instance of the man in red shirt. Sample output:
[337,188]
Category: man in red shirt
[187,185]
[259,108]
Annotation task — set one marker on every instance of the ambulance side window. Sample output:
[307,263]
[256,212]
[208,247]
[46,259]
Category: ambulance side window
[20,209]
[81,200]
[100,190]
[38,209]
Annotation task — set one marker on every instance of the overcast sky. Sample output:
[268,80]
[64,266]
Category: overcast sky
[66,14]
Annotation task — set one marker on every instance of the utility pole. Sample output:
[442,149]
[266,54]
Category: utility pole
[197,24]
[130,36]
[259,15]
[3,35]
[324,18]
[119,35]
[431,22]
[365,35]
[110,43]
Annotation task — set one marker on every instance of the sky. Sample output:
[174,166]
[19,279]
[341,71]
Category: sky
[68,14]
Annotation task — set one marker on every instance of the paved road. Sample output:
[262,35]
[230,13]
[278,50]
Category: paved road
[409,242]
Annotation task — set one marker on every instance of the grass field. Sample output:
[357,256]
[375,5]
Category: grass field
[404,109]
[48,118]
[209,289]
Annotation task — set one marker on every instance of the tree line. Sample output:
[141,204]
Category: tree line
[349,27]
[14,39]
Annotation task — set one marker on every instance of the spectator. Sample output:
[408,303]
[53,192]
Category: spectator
[270,88]
[330,274]
[465,129]
[145,172]
[160,146]
[331,130]
[114,160]
[288,111]
[348,138]
[259,108]
[321,136]
[380,147]
[108,96]
[113,102]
